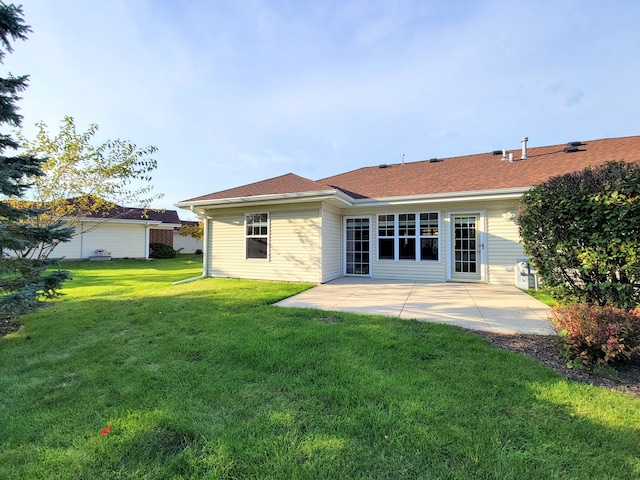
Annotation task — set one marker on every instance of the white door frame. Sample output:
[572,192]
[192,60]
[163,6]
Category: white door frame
[481,228]
[344,245]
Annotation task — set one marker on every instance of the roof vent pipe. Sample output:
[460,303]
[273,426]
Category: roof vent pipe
[524,141]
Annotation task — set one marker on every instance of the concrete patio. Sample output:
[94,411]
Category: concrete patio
[491,308]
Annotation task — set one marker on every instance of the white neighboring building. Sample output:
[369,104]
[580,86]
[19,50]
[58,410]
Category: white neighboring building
[124,233]
[186,244]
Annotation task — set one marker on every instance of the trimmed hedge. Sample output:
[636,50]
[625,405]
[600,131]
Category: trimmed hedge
[582,232]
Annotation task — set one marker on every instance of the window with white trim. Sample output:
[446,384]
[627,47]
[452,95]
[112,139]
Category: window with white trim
[386,237]
[257,235]
[429,236]
[408,236]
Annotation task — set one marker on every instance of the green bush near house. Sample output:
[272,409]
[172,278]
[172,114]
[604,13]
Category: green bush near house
[160,250]
[582,232]
[128,376]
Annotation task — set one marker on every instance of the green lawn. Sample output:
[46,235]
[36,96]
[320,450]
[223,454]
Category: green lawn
[544,295]
[207,380]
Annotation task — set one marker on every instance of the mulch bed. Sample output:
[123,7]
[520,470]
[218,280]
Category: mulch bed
[7,327]
[545,349]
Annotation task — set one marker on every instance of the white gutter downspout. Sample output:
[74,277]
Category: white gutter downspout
[81,241]
[205,254]
[146,241]
[205,249]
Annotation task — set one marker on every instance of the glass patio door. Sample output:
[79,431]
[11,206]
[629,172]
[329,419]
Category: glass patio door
[357,246]
[466,248]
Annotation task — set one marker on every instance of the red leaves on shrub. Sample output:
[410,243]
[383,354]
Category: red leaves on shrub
[598,335]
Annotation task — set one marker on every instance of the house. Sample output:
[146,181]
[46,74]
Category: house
[120,232]
[437,220]
[186,244]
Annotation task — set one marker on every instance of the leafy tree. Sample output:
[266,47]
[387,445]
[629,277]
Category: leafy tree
[22,281]
[82,180]
[195,231]
[582,231]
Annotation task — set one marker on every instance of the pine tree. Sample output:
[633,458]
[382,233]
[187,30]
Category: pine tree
[22,281]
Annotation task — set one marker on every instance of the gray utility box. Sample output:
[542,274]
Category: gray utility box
[526,277]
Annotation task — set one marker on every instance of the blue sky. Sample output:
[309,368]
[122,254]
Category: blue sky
[233,92]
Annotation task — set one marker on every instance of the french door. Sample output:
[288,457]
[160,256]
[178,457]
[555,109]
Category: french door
[466,254]
[357,246]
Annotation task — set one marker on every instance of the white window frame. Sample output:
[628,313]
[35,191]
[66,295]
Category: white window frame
[417,237]
[406,236]
[482,230]
[267,236]
[436,236]
[393,237]
[346,240]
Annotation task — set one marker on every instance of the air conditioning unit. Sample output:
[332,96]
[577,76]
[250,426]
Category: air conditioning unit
[526,276]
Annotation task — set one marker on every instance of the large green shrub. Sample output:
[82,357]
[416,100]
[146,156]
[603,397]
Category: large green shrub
[160,250]
[598,335]
[582,232]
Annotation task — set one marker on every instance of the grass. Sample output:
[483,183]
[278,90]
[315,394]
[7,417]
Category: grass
[544,295]
[207,380]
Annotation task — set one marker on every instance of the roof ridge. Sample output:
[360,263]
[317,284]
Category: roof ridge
[454,157]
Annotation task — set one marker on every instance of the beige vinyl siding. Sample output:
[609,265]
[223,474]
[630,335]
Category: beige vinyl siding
[207,269]
[425,271]
[306,243]
[332,246]
[503,243]
[294,244]
[501,238]
[121,239]
[226,249]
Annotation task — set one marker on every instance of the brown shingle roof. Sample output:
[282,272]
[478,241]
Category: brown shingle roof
[131,213]
[483,171]
[85,207]
[479,172]
[289,183]
[127,213]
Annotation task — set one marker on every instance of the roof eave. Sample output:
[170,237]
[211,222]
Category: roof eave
[169,225]
[272,199]
[475,195]
[142,221]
